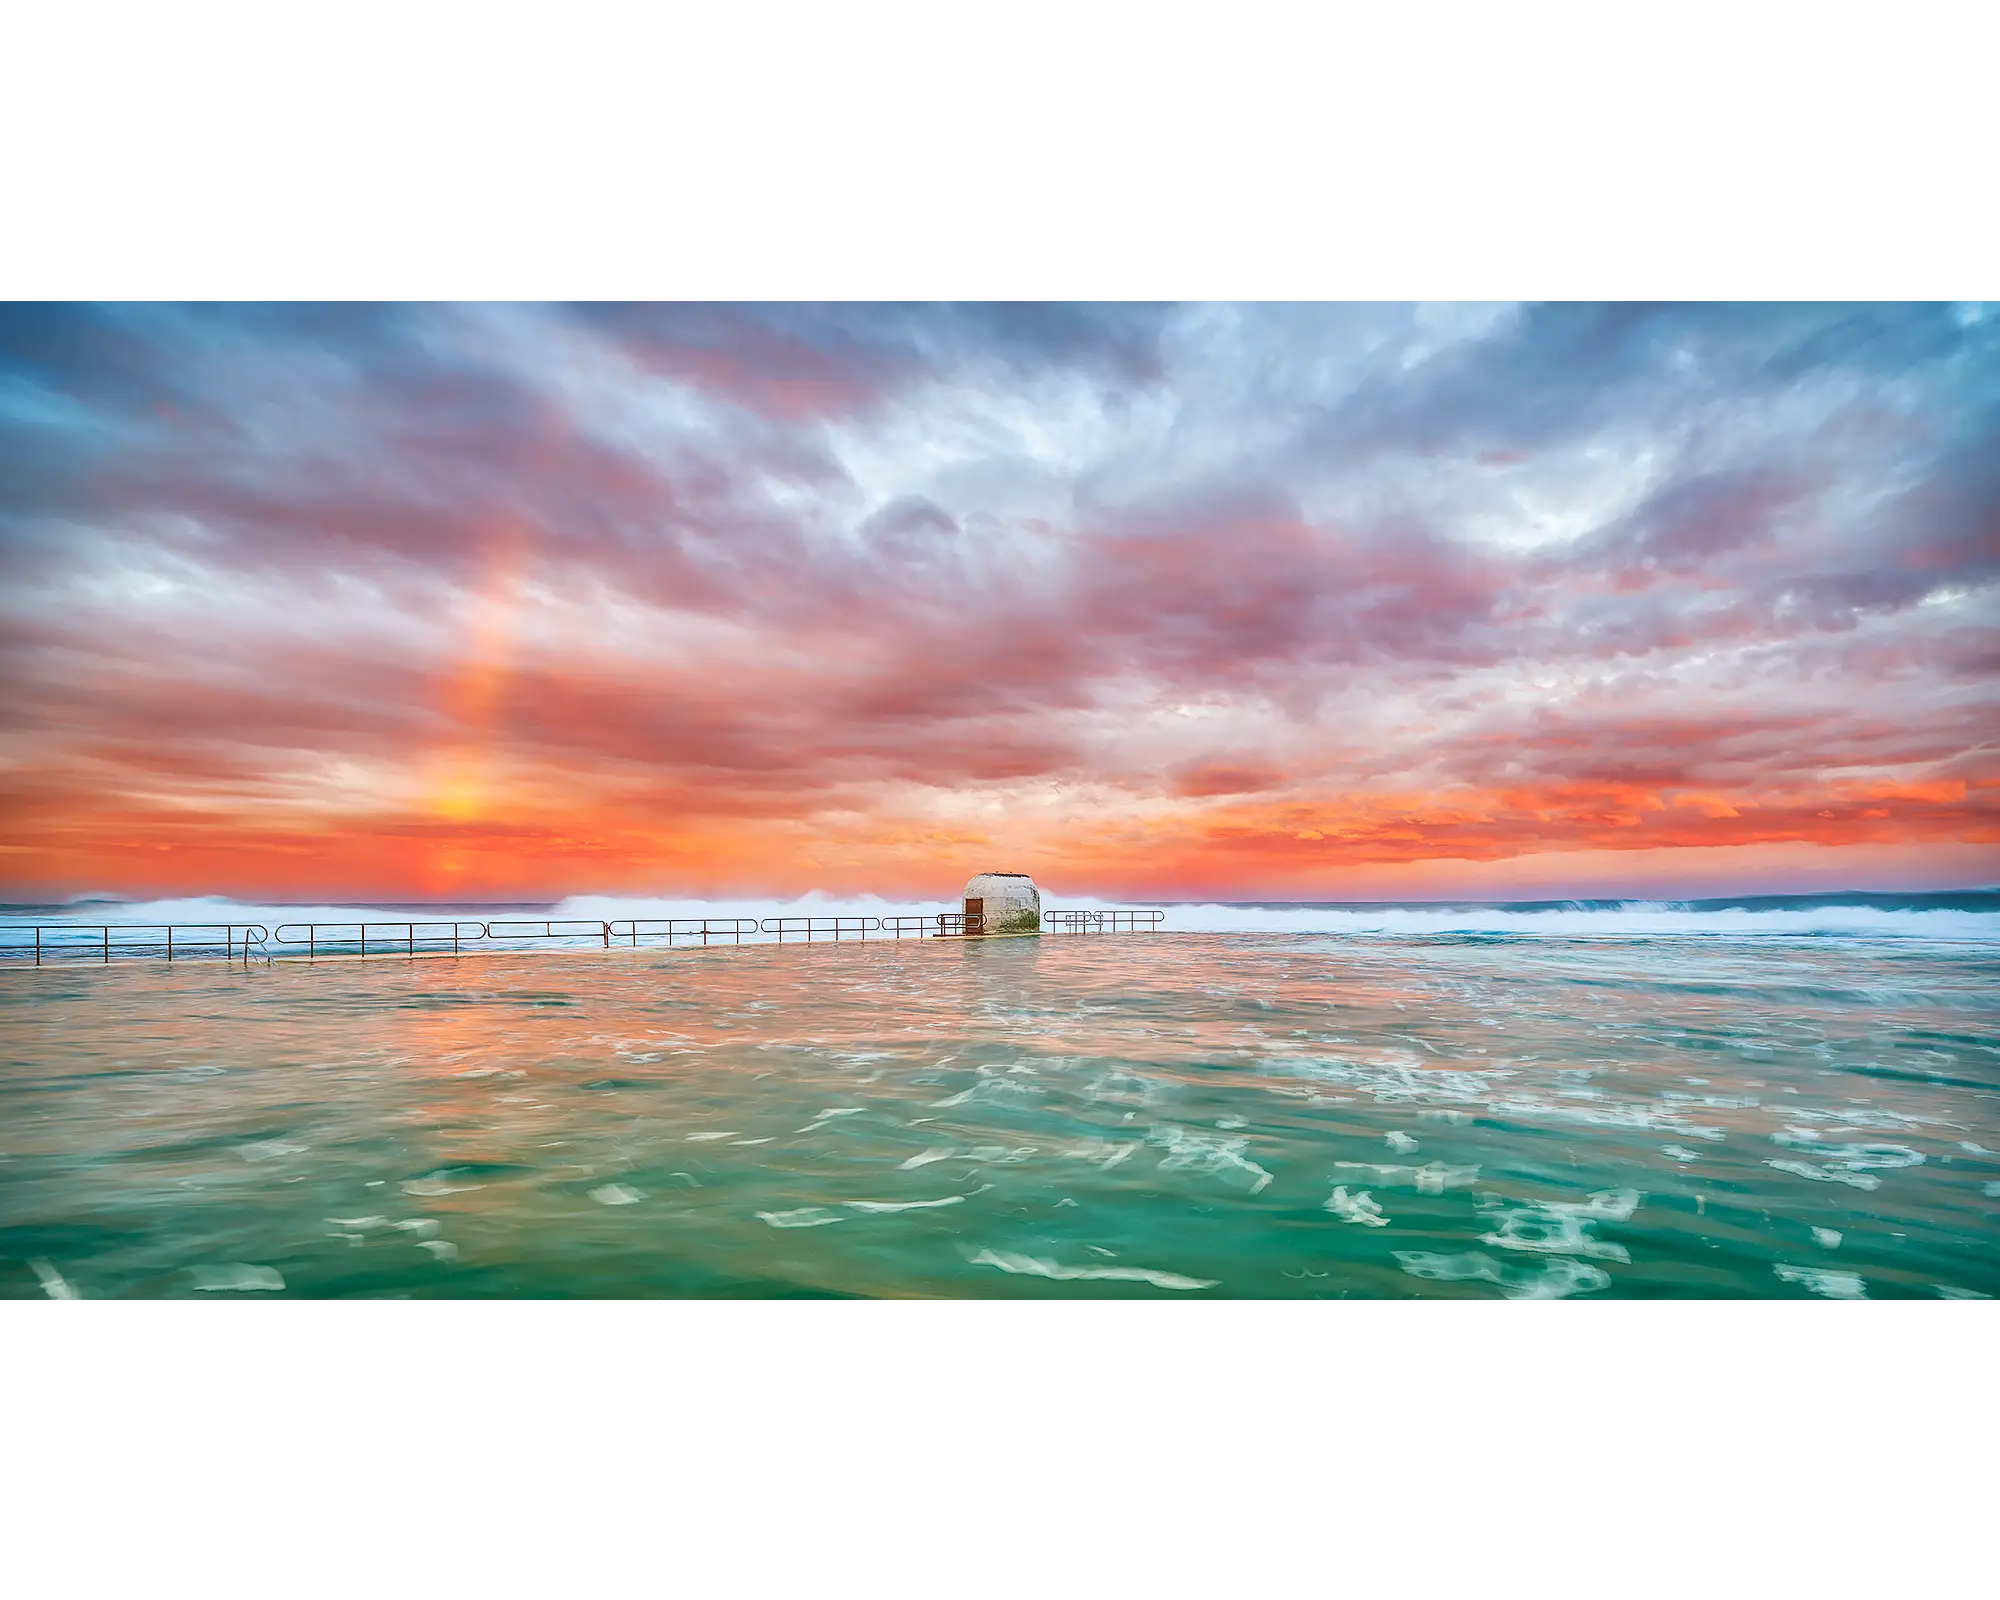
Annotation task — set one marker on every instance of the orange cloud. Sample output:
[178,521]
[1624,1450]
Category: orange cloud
[718,599]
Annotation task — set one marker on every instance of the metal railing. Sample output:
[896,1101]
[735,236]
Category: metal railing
[670,929]
[45,943]
[549,930]
[378,938]
[810,928]
[1103,923]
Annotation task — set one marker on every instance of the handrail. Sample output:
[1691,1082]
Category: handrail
[64,940]
[633,929]
[573,928]
[49,941]
[1103,921]
[329,938]
[836,927]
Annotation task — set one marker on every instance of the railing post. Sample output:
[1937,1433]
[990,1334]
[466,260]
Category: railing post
[411,929]
[364,938]
[38,946]
[170,941]
[607,934]
[107,942]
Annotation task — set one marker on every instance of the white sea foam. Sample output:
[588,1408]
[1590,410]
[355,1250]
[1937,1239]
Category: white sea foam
[1553,1281]
[1850,1157]
[803,1217]
[902,1205]
[1434,1177]
[1104,1153]
[1008,1261]
[1357,1207]
[1805,1169]
[238,1276]
[1205,1153]
[1561,1227]
[1623,919]
[270,1150]
[986,1092]
[1824,1281]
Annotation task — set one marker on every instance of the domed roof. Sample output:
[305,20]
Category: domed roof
[1000,883]
[1008,903]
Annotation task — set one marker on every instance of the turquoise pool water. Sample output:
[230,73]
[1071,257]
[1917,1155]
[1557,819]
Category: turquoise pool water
[1172,1116]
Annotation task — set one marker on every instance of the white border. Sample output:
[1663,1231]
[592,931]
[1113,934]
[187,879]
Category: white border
[983,1448]
[1038,150]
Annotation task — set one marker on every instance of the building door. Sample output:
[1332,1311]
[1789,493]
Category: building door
[975,915]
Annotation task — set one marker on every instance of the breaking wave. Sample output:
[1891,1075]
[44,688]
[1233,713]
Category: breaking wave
[1970,915]
[1974,916]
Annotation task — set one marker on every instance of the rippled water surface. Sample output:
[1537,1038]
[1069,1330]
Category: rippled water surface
[1167,1116]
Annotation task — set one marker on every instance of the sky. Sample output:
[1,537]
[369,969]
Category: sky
[1150,601]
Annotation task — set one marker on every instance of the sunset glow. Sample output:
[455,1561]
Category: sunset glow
[1339,602]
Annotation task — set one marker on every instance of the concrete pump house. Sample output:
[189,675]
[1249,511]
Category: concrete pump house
[1002,902]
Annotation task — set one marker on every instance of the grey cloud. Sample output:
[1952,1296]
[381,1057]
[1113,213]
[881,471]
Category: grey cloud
[382,448]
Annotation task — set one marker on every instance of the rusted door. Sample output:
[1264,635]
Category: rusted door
[975,914]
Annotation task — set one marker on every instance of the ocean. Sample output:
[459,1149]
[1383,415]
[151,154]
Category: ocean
[1773,1098]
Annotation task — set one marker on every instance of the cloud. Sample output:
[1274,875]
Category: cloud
[799,361]
[683,591]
